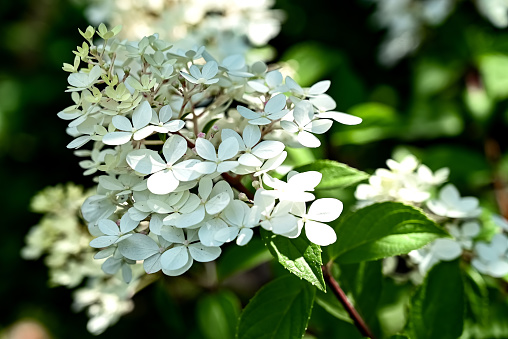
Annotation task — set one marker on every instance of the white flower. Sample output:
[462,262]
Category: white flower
[81,81]
[492,257]
[272,83]
[235,66]
[325,106]
[217,162]
[276,218]
[315,90]
[186,249]
[295,188]
[241,219]
[440,250]
[136,130]
[142,247]
[450,204]
[465,233]
[166,175]
[320,211]
[252,148]
[114,233]
[162,122]
[203,76]
[274,110]
[304,124]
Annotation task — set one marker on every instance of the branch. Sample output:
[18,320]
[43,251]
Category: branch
[341,296]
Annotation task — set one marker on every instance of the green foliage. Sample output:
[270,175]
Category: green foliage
[235,259]
[289,301]
[217,315]
[335,174]
[382,230]
[299,256]
[437,309]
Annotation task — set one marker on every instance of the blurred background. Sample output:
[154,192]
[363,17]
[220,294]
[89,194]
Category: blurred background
[427,77]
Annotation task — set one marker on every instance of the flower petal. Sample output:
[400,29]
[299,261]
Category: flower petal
[138,247]
[175,258]
[162,182]
[206,150]
[319,233]
[202,253]
[325,209]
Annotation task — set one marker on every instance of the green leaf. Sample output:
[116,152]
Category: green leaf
[299,256]
[235,258]
[209,125]
[280,309]
[217,315]
[437,309]
[335,174]
[379,122]
[382,230]
[494,71]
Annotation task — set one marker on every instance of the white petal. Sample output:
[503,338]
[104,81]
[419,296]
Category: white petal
[189,77]
[116,138]
[138,247]
[273,78]
[498,268]
[152,264]
[208,230]
[306,181]
[258,86]
[293,85]
[268,149]
[205,188]
[218,203]
[205,149]
[110,183]
[324,102]
[235,212]
[319,126]
[108,227]
[165,114]
[142,115]
[289,126]
[209,70]
[319,233]
[205,167]
[184,171]
[195,72]
[174,126]
[325,210]
[104,241]
[144,132]
[122,123]
[191,219]
[173,234]
[111,266]
[226,166]
[156,223]
[174,148]
[227,234]
[303,113]
[145,161]
[202,253]
[162,182]
[446,249]
[174,258]
[227,149]
[251,135]
[308,140]
[276,104]
[127,224]
[247,113]
[320,87]
[244,236]
[179,271]
[260,121]
[343,118]
[248,159]
[229,133]
[283,224]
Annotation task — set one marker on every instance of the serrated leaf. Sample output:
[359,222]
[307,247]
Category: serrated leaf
[235,259]
[217,315]
[437,308]
[335,174]
[382,230]
[280,309]
[299,256]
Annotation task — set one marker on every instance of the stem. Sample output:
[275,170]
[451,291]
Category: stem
[236,183]
[341,296]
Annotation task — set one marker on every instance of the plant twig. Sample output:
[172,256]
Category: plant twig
[341,296]
[236,183]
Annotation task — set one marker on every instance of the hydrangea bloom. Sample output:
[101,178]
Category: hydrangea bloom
[172,191]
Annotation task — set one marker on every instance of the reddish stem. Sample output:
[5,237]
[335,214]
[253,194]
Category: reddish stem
[341,296]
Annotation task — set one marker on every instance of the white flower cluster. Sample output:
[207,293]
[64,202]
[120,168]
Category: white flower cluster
[406,21]
[64,239]
[407,181]
[225,27]
[414,183]
[175,155]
